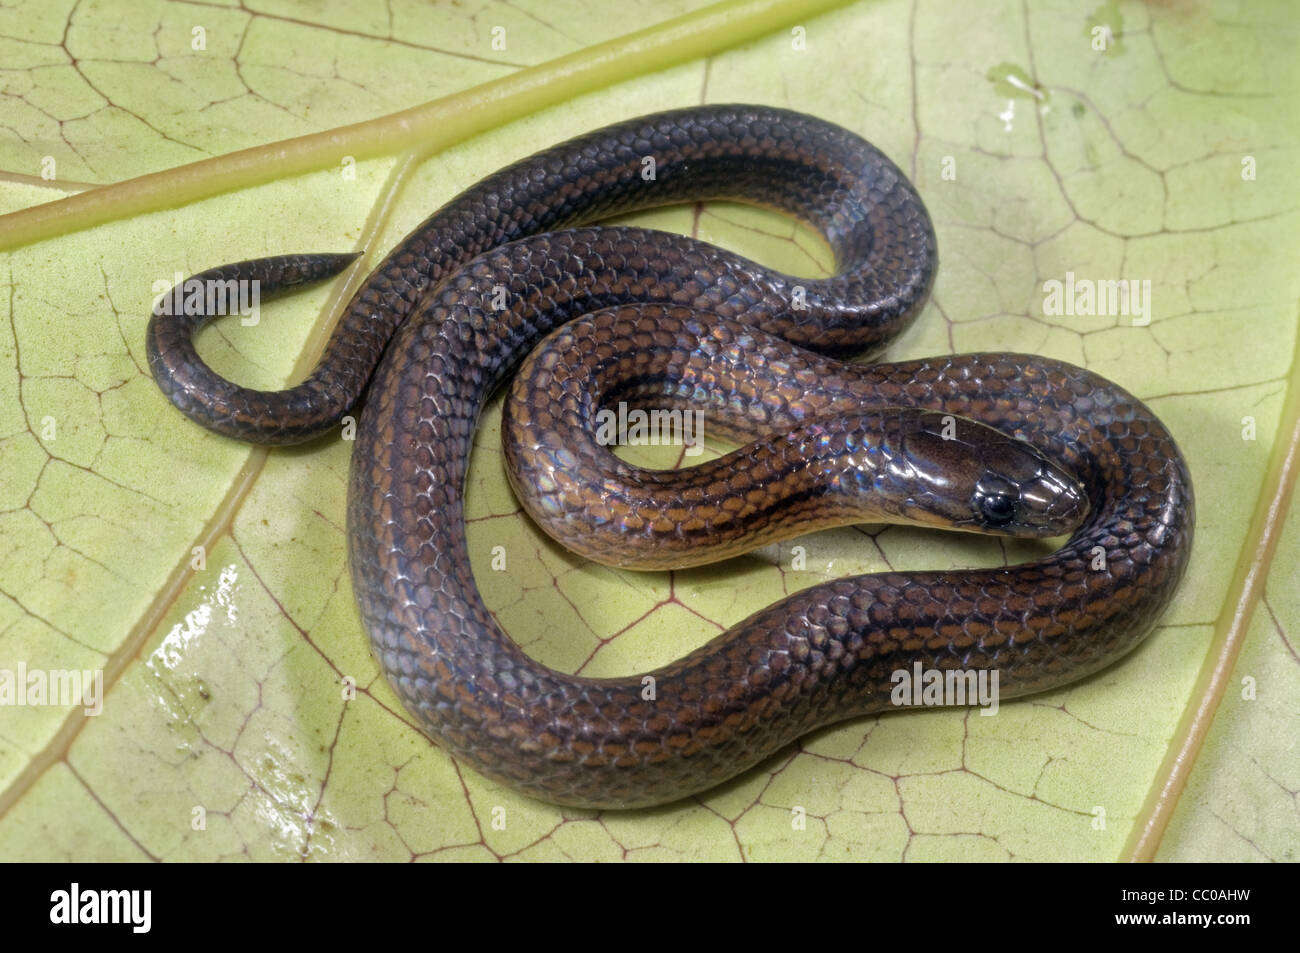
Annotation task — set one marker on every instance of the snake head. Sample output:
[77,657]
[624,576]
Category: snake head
[971,477]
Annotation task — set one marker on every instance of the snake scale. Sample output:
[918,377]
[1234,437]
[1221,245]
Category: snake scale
[659,320]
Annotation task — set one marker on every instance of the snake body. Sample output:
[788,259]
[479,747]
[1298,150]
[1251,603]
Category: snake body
[456,307]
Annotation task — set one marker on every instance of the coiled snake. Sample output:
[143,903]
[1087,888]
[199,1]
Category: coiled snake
[674,323]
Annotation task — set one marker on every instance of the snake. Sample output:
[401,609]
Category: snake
[993,442]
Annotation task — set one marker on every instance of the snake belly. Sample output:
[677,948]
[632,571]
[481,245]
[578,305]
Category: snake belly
[821,655]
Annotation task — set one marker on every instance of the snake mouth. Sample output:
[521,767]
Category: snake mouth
[1063,498]
[1050,502]
[962,474]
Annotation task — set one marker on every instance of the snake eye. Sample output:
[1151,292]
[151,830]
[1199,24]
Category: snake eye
[997,504]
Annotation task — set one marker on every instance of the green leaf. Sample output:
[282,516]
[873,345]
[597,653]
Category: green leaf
[228,729]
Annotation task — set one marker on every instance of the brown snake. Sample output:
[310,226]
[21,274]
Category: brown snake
[675,323]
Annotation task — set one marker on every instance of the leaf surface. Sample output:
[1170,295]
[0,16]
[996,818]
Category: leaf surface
[225,730]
